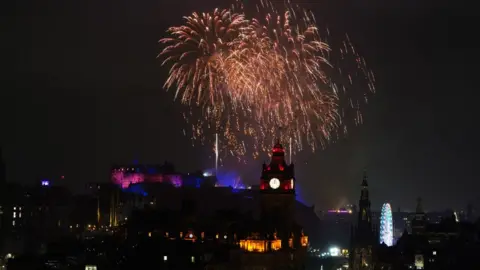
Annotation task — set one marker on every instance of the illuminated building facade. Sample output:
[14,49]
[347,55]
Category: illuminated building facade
[108,204]
[124,176]
[277,241]
[253,229]
[256,244]
[127,175]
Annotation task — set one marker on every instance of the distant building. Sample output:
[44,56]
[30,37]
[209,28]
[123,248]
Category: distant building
[336,227]
[3,170]
[402,222]
[108,204]
[447,244]
[3,192]
[419,221]
[33,216]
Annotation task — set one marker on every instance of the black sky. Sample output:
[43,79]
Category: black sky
[81,89]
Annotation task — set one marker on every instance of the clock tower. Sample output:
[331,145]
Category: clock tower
[277,192]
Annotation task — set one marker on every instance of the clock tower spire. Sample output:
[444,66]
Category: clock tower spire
[276,230]
[278,176]
[277,193]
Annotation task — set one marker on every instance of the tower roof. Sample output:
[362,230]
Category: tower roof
[278,146]
[278,149]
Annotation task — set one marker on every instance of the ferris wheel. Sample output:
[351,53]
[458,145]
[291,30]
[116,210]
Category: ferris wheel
[386,225]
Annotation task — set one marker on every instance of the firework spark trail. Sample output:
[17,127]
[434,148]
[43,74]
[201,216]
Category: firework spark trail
[263,74]
[194,51]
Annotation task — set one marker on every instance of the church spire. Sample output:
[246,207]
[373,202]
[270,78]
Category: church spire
[364,181]
[364,204]
[365,234]
[364,193]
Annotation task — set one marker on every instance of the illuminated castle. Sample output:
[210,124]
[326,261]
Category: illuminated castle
[125,176]
[276,235]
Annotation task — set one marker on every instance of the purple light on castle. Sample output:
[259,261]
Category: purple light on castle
[125,177]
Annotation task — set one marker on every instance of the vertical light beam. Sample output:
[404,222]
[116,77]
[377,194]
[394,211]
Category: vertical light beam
[290,150]
[216,153]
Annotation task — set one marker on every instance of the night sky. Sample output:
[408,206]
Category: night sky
[81,88]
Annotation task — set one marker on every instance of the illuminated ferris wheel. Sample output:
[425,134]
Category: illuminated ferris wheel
[386,225]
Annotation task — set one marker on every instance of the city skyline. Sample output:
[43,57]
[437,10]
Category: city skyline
[85,92]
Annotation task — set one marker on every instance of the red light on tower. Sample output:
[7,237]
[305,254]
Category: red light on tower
[262,185]
[277,150]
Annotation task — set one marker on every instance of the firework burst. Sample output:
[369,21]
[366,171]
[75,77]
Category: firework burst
[195,51]
[266,74]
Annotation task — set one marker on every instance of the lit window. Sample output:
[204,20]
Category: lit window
[434,253]
[165,258]
[13,223]
[14,214]
[193,259]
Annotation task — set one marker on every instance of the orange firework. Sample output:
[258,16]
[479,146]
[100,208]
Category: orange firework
[195,51]
[261,77]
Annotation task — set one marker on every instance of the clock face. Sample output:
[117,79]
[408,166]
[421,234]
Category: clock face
[274,183]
